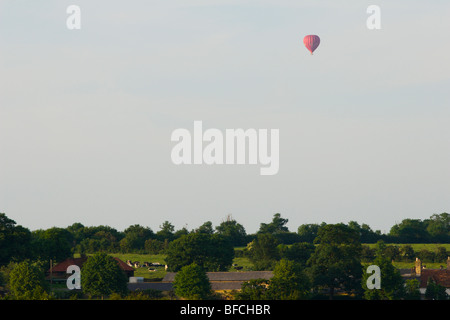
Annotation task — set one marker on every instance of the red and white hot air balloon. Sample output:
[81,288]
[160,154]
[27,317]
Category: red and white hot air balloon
[311,42]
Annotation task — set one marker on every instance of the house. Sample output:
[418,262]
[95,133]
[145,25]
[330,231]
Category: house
[219,280]
[59,271]
[439,276]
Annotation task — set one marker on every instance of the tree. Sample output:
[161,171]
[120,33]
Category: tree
[211,252]
[15,241]
[102,276]
[391,252]
[298,252]
[392,285]
[206,228]
[412,291]
[410,231]
[97,238]
[435,291]
[426,255]
[135,237]
[367,253]
[192,282]
[277,225]
[438,226]
[441,254]
[27,281]
[263,251]
[166,231]
[308,232]
[53,243]
[407,253]
[154,246]
[289,282]
[233,231]
[366,234]
[182,232]
[335,262]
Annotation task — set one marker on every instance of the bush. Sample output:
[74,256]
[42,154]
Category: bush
[441,255]
[426,255]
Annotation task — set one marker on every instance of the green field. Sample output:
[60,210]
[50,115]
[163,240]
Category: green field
[160,271]
[156,275]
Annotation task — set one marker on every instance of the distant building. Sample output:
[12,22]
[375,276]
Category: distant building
[218,280]
[59,271]
[439,276]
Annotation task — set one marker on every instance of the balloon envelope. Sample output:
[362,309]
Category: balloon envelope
[311,42]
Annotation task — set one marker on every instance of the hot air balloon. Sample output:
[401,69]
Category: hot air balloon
[311,42]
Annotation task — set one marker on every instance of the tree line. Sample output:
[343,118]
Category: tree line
[18,242]
[331,266]
[332,261]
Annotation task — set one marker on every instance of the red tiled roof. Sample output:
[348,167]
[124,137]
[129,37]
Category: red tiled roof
[441,277]
[123,265]
[62,266]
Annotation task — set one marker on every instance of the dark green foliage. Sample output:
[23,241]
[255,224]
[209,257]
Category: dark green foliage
[278,225]
[102,276]
[94,239]
[233,231]
[392,284]
[412,289]
[263,251]
[366,234]
[435,291]
[255,289]
[298,252]
[410,231]
[438,227]
[166,232]
[27,281]
[53,243]
[191,282]
[289,282]
[211,252]
[154,246]
[15,241]
[407,253]
[367,253]
[207,228]
[135,237]
[426,255]
[308,232]
[336,260]
[441,255]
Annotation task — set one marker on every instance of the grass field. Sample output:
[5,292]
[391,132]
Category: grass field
[156,275]
[418,246]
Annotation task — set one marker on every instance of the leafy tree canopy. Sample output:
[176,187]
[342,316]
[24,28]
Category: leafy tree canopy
[211,252]
[102,276]
[192,282]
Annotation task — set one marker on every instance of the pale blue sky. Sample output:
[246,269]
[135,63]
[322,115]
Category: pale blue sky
[86,115]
